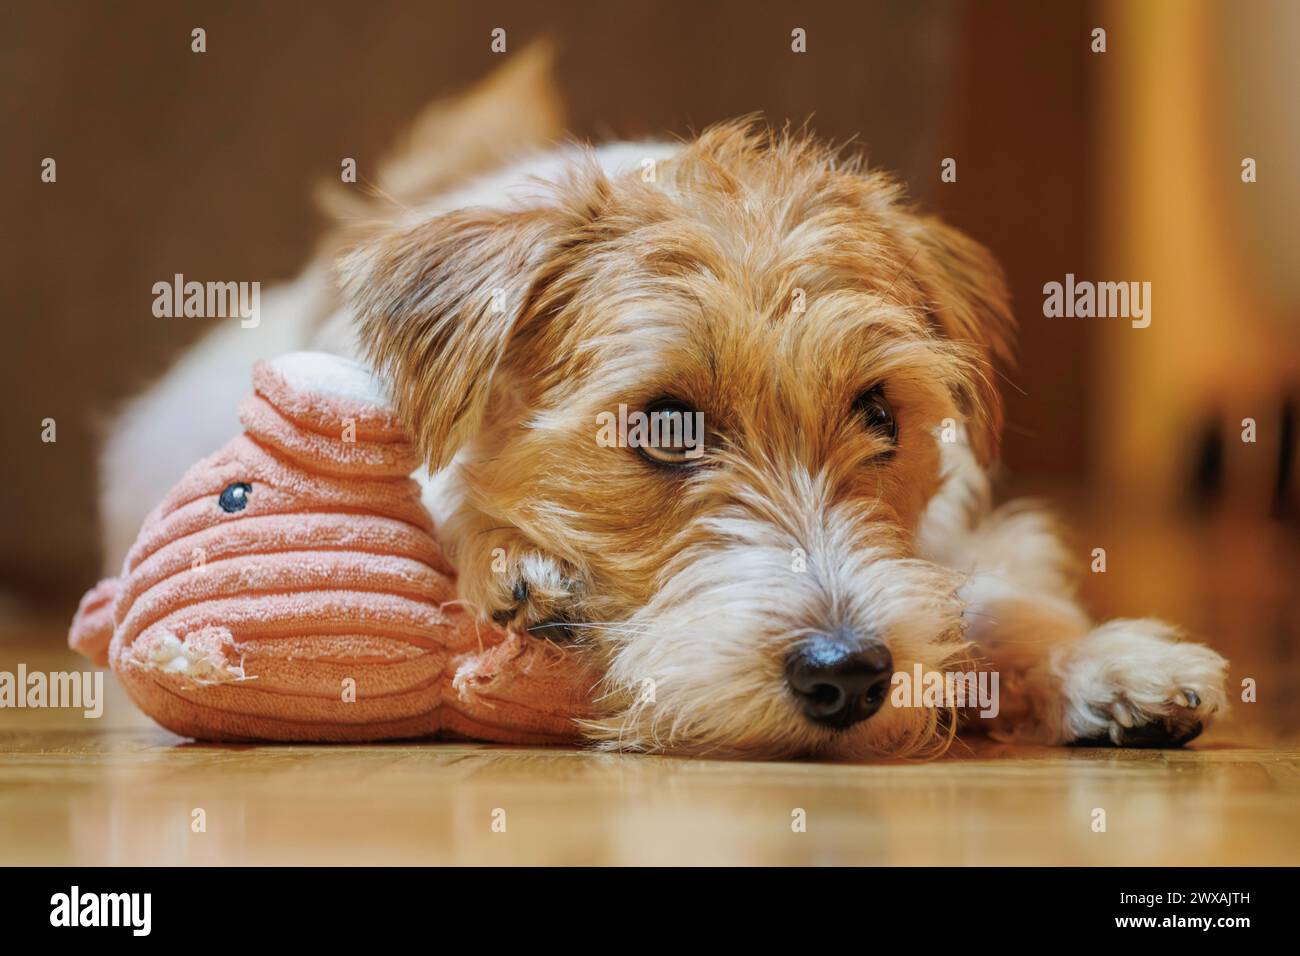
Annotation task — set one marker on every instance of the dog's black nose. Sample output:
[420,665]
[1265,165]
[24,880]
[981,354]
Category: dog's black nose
[839,679]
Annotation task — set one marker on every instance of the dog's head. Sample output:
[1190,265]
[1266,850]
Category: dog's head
[694,415]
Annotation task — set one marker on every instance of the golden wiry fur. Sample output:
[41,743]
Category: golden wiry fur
[507,329]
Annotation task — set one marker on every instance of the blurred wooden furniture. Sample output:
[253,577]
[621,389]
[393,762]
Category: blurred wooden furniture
[1188,92]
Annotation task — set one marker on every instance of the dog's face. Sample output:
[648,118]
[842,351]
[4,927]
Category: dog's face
[747,581]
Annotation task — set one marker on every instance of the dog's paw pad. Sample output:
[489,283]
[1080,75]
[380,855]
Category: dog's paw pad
[558,630]
[535,594]
[1173,723]
[1131,684]
[519,592]
[1173,729]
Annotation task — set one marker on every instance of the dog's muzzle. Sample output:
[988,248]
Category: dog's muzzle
[838,678]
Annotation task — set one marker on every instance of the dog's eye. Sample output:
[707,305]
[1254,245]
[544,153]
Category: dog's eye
[668,432]
[235,497]
[877,412]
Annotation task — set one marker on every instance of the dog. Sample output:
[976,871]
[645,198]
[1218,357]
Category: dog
[756,591]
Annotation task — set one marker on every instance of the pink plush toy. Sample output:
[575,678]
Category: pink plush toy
[290,588]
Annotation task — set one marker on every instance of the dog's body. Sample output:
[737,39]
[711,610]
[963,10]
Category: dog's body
[754,596]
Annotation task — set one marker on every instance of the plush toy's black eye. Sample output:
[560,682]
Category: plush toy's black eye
[235,497]
[877,413]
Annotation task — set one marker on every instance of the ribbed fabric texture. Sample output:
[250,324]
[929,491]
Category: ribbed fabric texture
[323,609]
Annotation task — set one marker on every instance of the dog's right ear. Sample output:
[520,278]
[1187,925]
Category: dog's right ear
[437,305]
[969,303]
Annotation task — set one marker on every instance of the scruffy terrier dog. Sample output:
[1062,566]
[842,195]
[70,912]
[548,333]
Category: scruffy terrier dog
[754,593]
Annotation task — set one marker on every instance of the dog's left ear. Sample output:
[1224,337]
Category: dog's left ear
[438,305]
[968,299]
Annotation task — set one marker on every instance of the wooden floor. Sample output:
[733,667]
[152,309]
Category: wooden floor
[120,791]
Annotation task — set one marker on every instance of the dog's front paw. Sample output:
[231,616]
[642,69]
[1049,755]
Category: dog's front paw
[1132,683]
[533,591]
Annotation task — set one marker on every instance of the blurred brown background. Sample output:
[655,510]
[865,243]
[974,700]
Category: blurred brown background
[1116,166]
